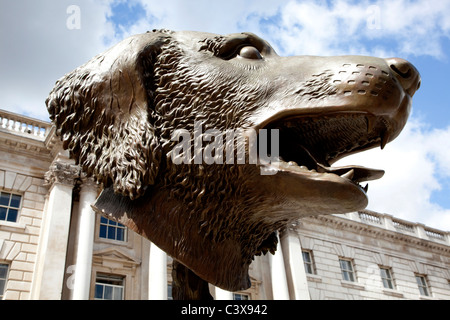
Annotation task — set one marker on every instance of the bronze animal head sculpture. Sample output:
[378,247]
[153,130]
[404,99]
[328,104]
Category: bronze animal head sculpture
[118,113]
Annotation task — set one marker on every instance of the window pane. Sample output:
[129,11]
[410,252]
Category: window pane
[12,215]
[387,284]
[419,281]
[108,293]
[346,265]
[15,201]
[102,231]
[423,291]
[103,220]
[118,293]
[308,268]
[3,271]
[390,284]
[169,292]
[349,266]
[3,213]
[2,287]
[306,256]
[98,291]
[111,233]
[348,276]
[4,199]
[344,275]
[120,234]
[3,274]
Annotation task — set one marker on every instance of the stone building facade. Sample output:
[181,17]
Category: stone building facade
[53,246]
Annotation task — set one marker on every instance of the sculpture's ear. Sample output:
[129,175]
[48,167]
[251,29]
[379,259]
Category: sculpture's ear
[104,114]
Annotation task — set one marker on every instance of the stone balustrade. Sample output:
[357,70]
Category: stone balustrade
[24,126]
[392,223]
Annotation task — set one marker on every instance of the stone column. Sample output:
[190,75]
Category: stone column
[51,257]
[85,238]
[221,294]
[280,289]
[157,276]
[295,269]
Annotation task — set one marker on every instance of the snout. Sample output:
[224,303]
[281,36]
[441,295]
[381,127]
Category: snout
[406,74]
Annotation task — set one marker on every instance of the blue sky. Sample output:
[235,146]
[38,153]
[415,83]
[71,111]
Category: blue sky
[43,40]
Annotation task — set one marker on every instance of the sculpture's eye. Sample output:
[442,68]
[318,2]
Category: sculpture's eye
[249,52]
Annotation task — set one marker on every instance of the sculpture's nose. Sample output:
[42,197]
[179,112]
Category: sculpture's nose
[406,74]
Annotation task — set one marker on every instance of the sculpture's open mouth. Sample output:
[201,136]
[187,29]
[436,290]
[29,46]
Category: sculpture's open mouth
[309,144]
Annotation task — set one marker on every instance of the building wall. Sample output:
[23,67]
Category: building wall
[370,247]
[24,159]
[18,241]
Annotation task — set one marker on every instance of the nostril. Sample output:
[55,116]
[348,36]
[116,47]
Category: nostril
[405,73]
[418,85]
[402,70]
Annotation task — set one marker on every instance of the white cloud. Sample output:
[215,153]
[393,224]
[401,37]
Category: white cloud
[349,27]
[416,165]
[204,15]
[38,48]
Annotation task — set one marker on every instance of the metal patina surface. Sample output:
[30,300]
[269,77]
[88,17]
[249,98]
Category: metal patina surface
[118,113]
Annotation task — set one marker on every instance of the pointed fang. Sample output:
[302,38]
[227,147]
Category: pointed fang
[384,139]
[349,175]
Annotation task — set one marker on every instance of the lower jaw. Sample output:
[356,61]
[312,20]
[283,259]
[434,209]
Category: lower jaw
[299,192]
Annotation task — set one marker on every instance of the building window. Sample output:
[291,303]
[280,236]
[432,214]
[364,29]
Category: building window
[423,285]
[386,278]
[241,296]
[347,270]
[109,287]
[112,230]
[9,206]
[3,277]
[308,262]
[169,292]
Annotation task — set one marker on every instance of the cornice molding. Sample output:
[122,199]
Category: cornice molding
[24,146]
[375,231]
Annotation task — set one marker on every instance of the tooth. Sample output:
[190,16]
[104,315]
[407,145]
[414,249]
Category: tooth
[303,167]
[292,163]
[366,188]
[349,175]
[384,139]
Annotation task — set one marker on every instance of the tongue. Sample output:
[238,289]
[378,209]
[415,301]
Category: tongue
[359,173]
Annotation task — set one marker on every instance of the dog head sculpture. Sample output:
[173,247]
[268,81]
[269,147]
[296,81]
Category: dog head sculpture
[118,113]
